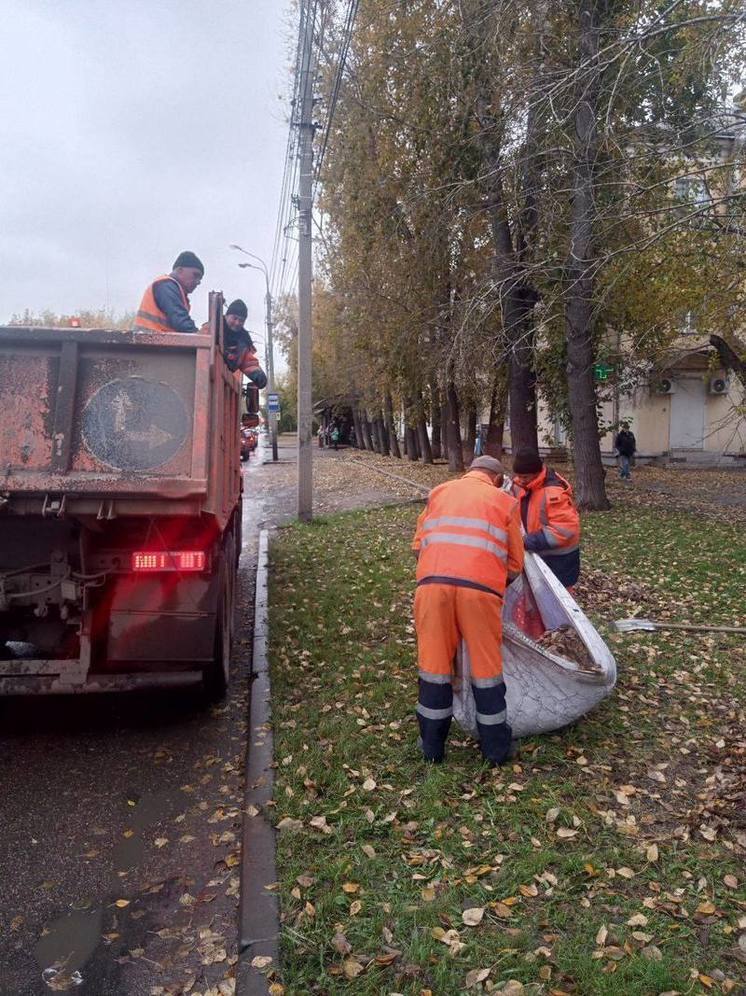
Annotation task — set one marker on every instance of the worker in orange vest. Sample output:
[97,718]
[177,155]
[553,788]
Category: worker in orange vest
[238,346]
[165,303]
[468,546]
[549,515]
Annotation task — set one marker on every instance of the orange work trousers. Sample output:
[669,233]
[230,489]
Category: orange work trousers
[445,614]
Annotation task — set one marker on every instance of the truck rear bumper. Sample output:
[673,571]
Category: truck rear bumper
[69,677]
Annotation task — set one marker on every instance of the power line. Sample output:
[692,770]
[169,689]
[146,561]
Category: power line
[337,83]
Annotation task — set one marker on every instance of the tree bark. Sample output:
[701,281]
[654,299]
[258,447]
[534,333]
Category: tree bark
[471,432]
[444,428]
[412,449]
[423,440]
[383,433]
[367,439]
[375,432]
[589,469]
[358,423]
[391,426]
[498,404]
[453,430]
[435,407]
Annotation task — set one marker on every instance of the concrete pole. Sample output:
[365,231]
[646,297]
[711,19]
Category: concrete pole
[271,371]
[305,273]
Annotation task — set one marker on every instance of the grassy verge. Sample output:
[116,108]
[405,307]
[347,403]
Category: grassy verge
[608,859]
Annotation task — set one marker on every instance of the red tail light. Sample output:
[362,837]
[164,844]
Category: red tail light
[169,560]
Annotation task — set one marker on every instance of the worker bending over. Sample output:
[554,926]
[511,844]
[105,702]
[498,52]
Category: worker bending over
[549,515]
[165,303]
[468,546]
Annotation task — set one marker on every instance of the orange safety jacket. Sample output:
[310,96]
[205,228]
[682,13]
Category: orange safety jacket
[552,522]
[469,535]
[149,315]
[246,361]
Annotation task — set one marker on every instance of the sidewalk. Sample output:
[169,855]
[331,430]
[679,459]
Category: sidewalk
[341,482]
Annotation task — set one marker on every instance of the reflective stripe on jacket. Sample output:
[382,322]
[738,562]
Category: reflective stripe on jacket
[149,315]
[469,533]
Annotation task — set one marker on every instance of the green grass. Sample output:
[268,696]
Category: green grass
[423,844]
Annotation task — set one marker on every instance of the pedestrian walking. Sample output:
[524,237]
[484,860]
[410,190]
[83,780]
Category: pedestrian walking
[468,547]
[626,446]
[335,437]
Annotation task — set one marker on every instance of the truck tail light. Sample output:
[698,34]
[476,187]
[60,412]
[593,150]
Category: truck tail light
[146,561]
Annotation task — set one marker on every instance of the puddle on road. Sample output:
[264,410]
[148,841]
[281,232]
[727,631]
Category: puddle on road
[68,944]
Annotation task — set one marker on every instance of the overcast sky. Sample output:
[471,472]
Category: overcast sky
[131,131]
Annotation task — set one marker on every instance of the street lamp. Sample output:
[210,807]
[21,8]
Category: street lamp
[270,354]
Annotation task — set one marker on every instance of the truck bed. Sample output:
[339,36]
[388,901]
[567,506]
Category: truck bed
[111,423]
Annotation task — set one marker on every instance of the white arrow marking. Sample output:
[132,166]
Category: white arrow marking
[154,436]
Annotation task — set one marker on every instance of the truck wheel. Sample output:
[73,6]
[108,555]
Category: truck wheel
[216,675]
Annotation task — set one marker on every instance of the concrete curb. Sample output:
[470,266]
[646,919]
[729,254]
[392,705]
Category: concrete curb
[259,912]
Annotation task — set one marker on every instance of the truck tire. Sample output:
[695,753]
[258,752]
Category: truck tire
[216,675]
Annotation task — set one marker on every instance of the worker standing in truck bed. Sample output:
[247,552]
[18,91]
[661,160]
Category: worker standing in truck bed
[165,303]
[239,349]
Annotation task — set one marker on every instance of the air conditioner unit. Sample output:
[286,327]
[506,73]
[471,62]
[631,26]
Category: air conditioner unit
[718,385]
[664,386]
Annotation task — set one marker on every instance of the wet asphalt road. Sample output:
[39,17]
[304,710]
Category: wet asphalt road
[120,823]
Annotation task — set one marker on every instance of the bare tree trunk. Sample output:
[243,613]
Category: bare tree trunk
[383,433]
[444,428]
[498,403]
[391,426]
[435,407]
[455,454]
[471,432]
[367,439]
[411,437]
[358,423]
[376,435]
[423,440]
[589,468]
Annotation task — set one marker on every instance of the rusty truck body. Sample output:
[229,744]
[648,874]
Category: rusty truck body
[120,509]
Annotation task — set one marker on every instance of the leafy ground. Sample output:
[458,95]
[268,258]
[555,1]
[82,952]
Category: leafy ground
[608,859]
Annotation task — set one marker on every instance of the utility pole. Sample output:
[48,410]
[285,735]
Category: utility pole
[305,272]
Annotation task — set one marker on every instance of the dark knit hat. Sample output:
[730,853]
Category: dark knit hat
[189,259]
[238,308]
[527,461]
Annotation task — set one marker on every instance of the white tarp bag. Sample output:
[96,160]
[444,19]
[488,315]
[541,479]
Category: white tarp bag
[544,689]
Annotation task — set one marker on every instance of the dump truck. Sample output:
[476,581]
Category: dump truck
[120,509]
